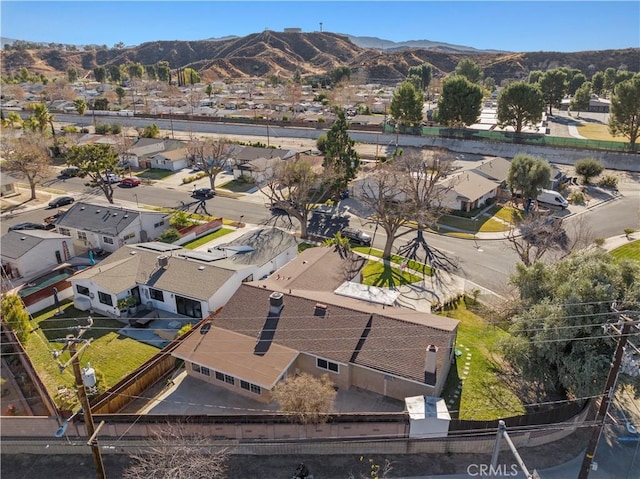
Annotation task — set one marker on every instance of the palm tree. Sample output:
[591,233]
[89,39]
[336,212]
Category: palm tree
[340,243]
[42,117]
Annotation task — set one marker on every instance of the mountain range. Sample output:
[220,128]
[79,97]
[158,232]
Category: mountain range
[314,54]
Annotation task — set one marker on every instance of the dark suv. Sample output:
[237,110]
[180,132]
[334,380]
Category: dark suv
[203,193]
[356,236]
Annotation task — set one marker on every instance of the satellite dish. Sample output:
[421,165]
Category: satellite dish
[205,328]
[62,429]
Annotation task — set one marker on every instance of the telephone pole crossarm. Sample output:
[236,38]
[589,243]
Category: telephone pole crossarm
[607,396]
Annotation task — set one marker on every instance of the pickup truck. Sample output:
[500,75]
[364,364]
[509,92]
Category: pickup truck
[357,236]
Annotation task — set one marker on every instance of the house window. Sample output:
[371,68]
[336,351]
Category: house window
[205,371]
[128,236]
[160,223]
[64,231]
[251,387]
[82,290]
[156,294]
[225,378]
[82,235]
[105,298]
[107,239]
[328,365]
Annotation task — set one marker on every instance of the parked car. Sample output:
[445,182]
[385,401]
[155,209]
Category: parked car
[356,236]
[61,201]
[28,226]
[550,197]
[130,182]
[282,207]
[69,172]
[111,178]
[203,193]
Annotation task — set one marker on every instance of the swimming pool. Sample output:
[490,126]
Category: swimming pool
[44,281]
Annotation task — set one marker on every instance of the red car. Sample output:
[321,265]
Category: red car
[130,182]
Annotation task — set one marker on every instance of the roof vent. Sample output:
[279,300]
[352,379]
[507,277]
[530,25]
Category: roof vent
[200,268]
[276,302]
[125,216]
[163,261]
[82,208]
[132,252]
[97,211]
[320,310]
[115,214]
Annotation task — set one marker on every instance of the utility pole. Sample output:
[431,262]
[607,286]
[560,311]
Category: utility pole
[494,469]
[609,391]
[70,344]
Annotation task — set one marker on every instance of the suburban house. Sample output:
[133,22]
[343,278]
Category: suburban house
[141,149]
[29,253]
[7,185]
[472,188]
[295,321]
[170,278]
[108,227]
[257,162]
[172,160]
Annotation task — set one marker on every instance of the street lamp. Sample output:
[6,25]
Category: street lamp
[136,196]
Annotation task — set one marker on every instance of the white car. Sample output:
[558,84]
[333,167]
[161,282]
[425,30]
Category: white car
[111,178]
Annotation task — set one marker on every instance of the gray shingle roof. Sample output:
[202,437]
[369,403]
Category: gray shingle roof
[342,334]
[16,243]
[266,244]
[129,266]
[107,220]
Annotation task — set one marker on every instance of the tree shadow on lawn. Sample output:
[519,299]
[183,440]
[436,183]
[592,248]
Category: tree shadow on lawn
[58,327]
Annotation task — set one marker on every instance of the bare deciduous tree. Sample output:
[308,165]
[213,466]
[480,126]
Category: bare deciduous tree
[175,454]
[382,193]
[306,397]
[537,236]
[212,155]
[425,185]
[27,158]
[296,187]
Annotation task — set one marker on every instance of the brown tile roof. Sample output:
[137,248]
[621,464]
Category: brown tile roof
[343,334]
[234,354]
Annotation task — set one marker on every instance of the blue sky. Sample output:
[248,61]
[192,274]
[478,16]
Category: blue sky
[511,25]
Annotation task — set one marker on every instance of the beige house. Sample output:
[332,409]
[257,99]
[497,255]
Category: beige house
[293,321]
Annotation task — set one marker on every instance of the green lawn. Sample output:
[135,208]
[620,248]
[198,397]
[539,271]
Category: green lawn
[629,251]
[237,186]
[411,264]
[154,174]
[205,239]
[483,224]
[506,213]
[111,355]
[377,273]
[484,394]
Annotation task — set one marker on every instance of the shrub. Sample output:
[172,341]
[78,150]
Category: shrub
[628,231]
[598,242]
[608,181]
[70,129]
[321,143]
[116,128]
[588,168]
[170,235]
[577,198]
[103,128]
[181,219]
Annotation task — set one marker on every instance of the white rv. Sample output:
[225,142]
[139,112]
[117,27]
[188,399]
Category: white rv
[550,197]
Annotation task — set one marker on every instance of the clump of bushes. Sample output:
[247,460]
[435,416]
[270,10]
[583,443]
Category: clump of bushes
[577,198]
[609,181]
[192,178]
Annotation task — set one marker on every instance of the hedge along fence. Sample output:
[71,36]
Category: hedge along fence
[537,139]
[190,233]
